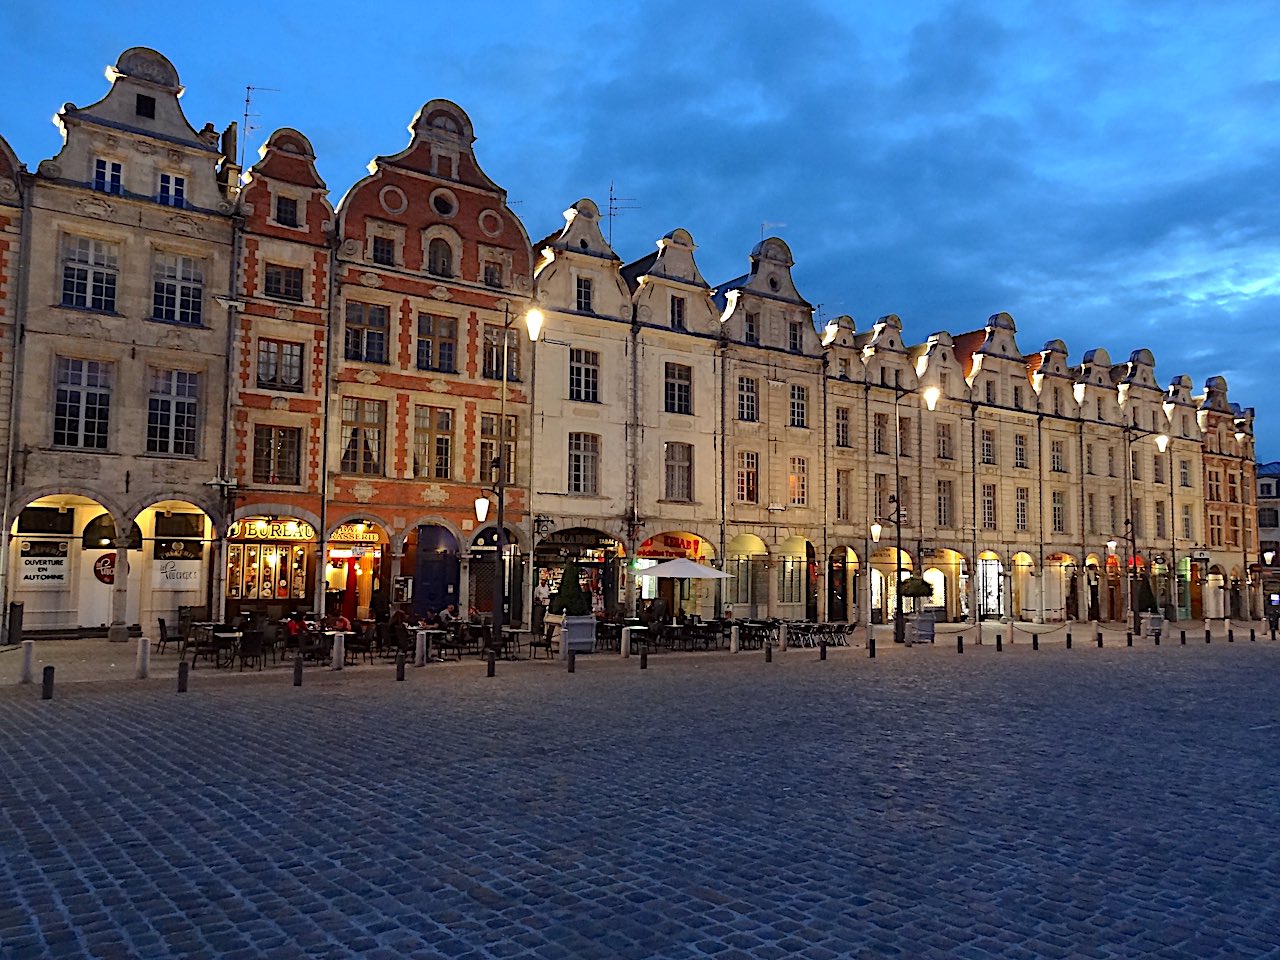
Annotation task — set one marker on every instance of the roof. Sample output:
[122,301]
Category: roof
[965,346]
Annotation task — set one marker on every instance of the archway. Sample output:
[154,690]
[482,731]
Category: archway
[484,575]
[64,582]
[1061,587]
[747,558]
[432,561]
[797,579]
[666,597]
[1215,588]
[600,559]
[842,585]
[271,563]
[990,586]
[1025,589]
[884,590]
[357,581]
[171,579]
[1093,578]
[947,572]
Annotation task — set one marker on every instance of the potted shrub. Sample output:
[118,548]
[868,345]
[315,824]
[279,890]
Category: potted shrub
[570,608]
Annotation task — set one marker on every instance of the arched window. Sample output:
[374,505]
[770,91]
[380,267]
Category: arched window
[100,534]
[440,258]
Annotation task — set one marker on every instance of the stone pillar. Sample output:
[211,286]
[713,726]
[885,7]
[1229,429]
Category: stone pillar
[118,632]
[1006,590]
[463,600]
[823,573]
[771,569]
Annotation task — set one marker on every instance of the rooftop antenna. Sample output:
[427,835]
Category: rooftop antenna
[248,128]
[616,205]
[765,224]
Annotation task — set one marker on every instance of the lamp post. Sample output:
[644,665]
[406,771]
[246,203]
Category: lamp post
[226,488]
[1162,443]
[533,323]
[877,527]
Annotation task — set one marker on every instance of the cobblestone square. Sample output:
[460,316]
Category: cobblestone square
[1084,803]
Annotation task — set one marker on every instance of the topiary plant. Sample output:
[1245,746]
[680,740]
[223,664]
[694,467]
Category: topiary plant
[914,586]
[569,598]
[1146,597]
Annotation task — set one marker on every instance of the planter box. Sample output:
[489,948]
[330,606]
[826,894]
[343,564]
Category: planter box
[573,633]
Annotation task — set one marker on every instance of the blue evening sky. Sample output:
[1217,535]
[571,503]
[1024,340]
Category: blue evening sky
[1107,172]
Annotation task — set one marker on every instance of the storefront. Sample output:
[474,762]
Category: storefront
[484,576]
[599,558]
[432,561]
[667,597]
[270,566]
[356,580]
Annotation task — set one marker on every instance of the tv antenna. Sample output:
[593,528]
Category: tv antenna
[616,205]
[248,127]
[766,224]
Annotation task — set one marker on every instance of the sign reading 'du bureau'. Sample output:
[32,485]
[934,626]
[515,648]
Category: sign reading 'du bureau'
[44,563]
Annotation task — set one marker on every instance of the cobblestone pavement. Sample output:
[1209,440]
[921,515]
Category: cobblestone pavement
[1084,803]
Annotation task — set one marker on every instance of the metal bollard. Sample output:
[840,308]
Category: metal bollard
[1182,637]
[782,636]
[46,684]
[1156,633]
[999,642]
[184,675]
[399,666]
[1231,635]
[142,666]
[1252,637]
[421,654]
[1099,639]
[822,650]
[1068,639]
[1273,634]
[573,661]
[1208,637]
[959,643]
[644,659]
[297,671]
[1128,638]
[339,657]
[491,664]
[1035,641]
[768,652]
[29,661]
[733,639]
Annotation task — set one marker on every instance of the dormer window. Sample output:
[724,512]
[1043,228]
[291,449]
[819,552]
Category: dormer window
[173,190]
[990,388]
[108,176]
[384,251]
[677,313]
[751,329]
[145,106]
[584,294]
[440,258]
[492,274]
[795,337]
[286,211]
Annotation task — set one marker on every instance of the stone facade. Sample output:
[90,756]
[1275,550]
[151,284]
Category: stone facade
[228,392]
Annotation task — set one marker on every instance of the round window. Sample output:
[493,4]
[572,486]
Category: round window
[443,203]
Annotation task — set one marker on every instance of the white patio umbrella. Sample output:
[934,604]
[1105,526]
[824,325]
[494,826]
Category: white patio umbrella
[684,569]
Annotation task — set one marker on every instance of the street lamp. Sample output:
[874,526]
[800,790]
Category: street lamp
[876,529]
[533,323]
[1162,443]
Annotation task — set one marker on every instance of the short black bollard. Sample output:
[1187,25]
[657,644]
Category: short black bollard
[1182,637]
[1156,634]
[399,666]
[297,671]
[573,660]
[1231,635]
[490,664]
[871,647]
[644,659]
[822,650]
[768,652]
[1035,641]
[184,673]
[1208,637]
[1128,638]
[1273,634]
[1068,639]
[1252,636]
[959,643]
[999,642]
[1099,639]
[46,684]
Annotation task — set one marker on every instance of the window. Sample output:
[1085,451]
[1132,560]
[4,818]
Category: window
[904,501]
[1058,456]
[440,258]
[1233,531]
[1017,396]
[586,294]
[795,337]
[90,269]
[584,463]
[584,375]
[989,391]
[946,502]
[1059,511]
[678,461]
[173,190]
[277,453]
[751,328]
[1136,507]
[798,481]
[946,451]
[491,274]
[1088,458]
[1113,513]
[279,365]
[799,406]
[1135,471]
[108,176]
[1020,450]
[432,443]
[677,313]
[1057,401]
[437,342]
[1161,527]
[286,211]
[844,494]
[366,333]
[171,412]
[177,290]
[791,580]
[284,283]
[904,436]
[1111,461]
[989,505]
[748,399]
[879,428]
[748,476]
[1157,468]
[82,404]
[1021,505]
[1268,490]
[679,388]
[1091,505]
[842,426]
[989,446]
[497,341]
[144,106]
[1268,517]
[1215,530]
[384,251]
[489,449]
[363,424]
[1233,486]
[1215,485]
[1188,524]
[881,493]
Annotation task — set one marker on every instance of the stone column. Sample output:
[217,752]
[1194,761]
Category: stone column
[118,632]
[771,569]
[463,600]
[823,573]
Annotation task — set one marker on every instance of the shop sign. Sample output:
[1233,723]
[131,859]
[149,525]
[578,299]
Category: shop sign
[670,546]
[178,549]
[104,568]
[259,528]
[355,533]
[175,575]
[44,563]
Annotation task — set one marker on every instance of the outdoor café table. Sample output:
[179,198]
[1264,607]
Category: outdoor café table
[511,642]
[228,640]
[426,637]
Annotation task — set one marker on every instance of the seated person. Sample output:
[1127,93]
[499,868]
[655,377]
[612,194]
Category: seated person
[337,621]
[473,614]
[294,626]
[449,614]
[431,619]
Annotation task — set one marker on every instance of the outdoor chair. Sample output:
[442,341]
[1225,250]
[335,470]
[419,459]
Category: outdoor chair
[536,644]
[360,643]
[165,639]
[251,648]
[202,644]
